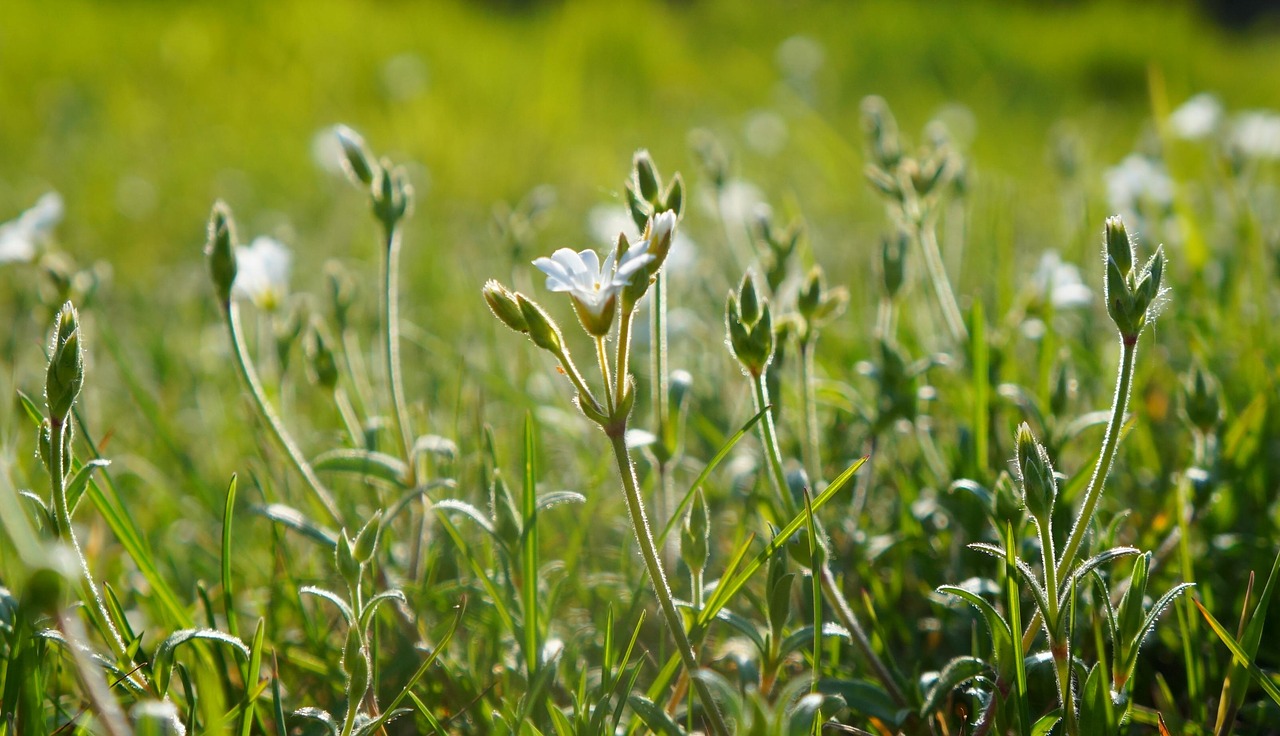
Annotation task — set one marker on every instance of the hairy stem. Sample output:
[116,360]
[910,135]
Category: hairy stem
[250,377]
[649,552]
[941,284]
[1124,382]
[391,346]
[812,454]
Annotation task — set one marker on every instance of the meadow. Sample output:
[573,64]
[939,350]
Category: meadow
[571,368]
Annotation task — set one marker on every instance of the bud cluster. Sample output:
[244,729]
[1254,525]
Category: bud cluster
[906,181]
[750,324]
[817,304]
[646,195]
[1035,473]
[389,189]
[1131,292]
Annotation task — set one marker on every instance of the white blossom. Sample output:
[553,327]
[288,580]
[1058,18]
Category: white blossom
[1197,118]
[1257,134]
[1135,181]
[21,236]
[1061,282]
[590,282]
[262,273]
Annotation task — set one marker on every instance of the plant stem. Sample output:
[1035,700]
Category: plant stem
[391,329]
[937,271]
[60,464]
[1124,382]
[661,391]
[835,597]
[812,454]
[649,552]
[250,376]
[602,356]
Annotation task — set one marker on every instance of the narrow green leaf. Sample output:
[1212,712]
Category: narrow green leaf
[391,470]
[252,677]
[529,549]
[228,592]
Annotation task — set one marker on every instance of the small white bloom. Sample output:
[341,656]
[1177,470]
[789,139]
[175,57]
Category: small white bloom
[20,237]
[605,221]
[1135,181]
[591,283]
[1061,282]
[1257,134]
[262,273]
[1197,118]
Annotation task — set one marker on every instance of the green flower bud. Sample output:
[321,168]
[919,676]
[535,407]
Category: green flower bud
[366,542]
[881,130]
[65,375]
[220,252]
[1129,619]
[342,292]
[505,306]
[1064,389]
[636,205]
[1119,246]
[1039,487]
[44,445]
[355,662]
[883,182]
[811,293]
[1201,399]
[646,177]
[1120,303]
[748,300]
[660,231]
[320,359]
[694,534]
[893,258]
[673,199]
[355,156]
[542,329]
[345,560]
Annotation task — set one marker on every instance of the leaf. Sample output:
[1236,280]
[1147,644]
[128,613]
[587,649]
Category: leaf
[320,716]
[1241,657]
[253,672]
[555,498]
[866,698]
[79,481]
[469,511]
[162,661]
[441,643]
[1095,704]
[1046,723]
[334,598]
[228,591]
[957,672]
[1001,634]
[294,519]
[371,605]
[804,635]
[391,470]
[654,717]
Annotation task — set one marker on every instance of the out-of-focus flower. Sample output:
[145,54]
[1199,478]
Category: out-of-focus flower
[21,236]
[1060,282]
[605,221]
[262,273]
[1197,118]
[1135,181]
[1256,133]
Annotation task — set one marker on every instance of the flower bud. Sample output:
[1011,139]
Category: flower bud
[646,177]
[811,293]
[893,257]
[1201,399]
[748,300]
[673,199]
[366,542]
[504,306]
[222,259]
[695,533]
[882,131]
[1039,487]
[542,329]
[65,375]
[1119,246]
[355,662]
[44,445]
[1064,389]
[355,156]
[345,560]
[320,358]
[883,182]
[660,232]
[341,292]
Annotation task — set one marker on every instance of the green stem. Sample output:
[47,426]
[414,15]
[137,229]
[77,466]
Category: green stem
[937,271]
[649,552]
[250,376]
[812,454]
[391,347]
[602,356]
[575,377]
[835,597]
[1124,382]
[60,464]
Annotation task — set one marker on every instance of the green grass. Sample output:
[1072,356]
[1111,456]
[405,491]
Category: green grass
[510,602]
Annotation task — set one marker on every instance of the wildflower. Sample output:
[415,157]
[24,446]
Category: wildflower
[1061,282]
[594,286]
[1257,134]
[262,273]
[1197,118]
[20,236]
[1135,181]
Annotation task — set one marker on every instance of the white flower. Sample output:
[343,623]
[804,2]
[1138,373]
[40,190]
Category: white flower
[1197,118]
[20,236]
[262,273]
[593,284]
[1257,133]
[605,221]
[1135,181]
[1061,282]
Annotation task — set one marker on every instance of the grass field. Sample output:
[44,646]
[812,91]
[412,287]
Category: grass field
[326,507]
